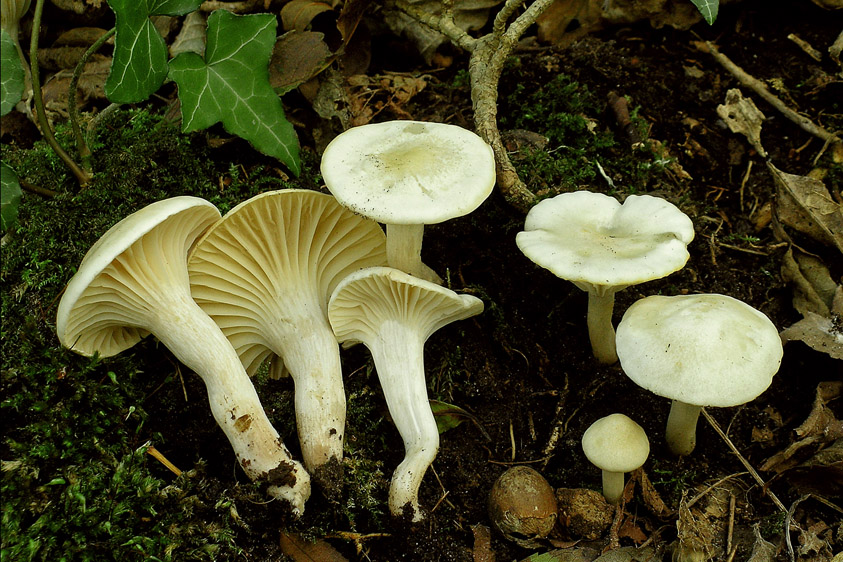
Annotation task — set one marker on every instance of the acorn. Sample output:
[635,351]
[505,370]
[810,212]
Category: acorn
[522,506]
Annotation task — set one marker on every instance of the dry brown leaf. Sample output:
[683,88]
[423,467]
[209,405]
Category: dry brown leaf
[482,544]
[629,554]
[813,287]
[301,550]
[468,15]
[762,551]
[91,86]
[806,205]
[191,37]
[821,426]
[652,499]
[81,37]
[743,117]
[298,14]
[577,554]
[297,57]
[585,16]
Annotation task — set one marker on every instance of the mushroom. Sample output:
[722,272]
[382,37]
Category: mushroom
[264,274]
[393,314]
[603,247]
[616,445]
[698,350]
[407,174]
[133,282]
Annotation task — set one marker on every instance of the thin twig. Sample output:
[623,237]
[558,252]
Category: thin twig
[749,468]
[82,177]
[760,88]
[42,191]
[787,521]
[155,453]
[81,146]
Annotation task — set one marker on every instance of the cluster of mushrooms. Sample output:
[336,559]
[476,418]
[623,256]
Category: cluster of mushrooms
[287,276]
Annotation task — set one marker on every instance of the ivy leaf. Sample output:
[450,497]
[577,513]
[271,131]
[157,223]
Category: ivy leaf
[10,195]
[231,85]
[708,9]
[11,74]
[139,66]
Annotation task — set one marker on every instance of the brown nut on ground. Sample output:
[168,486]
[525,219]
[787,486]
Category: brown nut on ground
[522,506]
[583,513]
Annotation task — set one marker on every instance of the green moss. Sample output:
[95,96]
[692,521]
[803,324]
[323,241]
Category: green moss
[581,153]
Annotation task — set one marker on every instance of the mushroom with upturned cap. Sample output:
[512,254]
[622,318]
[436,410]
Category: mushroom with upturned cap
[616,445]
[407,174]
[698,350]
[264,273]
[603,247]
[393,314]
[132,282]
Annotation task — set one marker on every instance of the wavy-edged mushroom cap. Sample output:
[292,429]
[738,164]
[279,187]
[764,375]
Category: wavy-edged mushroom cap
[603,246]
[393,314]
[707,349]
[365,299]
[592,239]
[616,445]
[698,350]
[264,273]
[97,315]
[407,174]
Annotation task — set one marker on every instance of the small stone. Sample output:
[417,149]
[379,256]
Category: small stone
[522,506]
[583,513]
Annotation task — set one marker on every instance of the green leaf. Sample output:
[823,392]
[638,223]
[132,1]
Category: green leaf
[708,9]
[139,66]
[231,85]
[10,195]
[11,74]
[449,416]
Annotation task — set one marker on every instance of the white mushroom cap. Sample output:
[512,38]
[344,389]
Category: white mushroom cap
[264,273]
[393,314]
[591,239]
[616,443]
[706,350]
[90,320]
[409,172]
[602,247]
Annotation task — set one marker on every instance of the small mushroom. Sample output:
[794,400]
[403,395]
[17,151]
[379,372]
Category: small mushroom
[407,174]
[698,350]
[264,273]
[133,282]
[603,247]
[616,445]
[394,314]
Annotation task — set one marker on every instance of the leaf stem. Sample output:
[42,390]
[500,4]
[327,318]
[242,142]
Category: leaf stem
[82,177]
[81,145]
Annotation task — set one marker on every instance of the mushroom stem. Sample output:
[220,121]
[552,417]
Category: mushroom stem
[681,433]
[313,358]
[167,310]
[403,251]
[613,486]
[398,353]
[601,304]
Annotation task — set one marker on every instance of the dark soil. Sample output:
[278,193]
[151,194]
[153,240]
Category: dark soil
[525,366]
